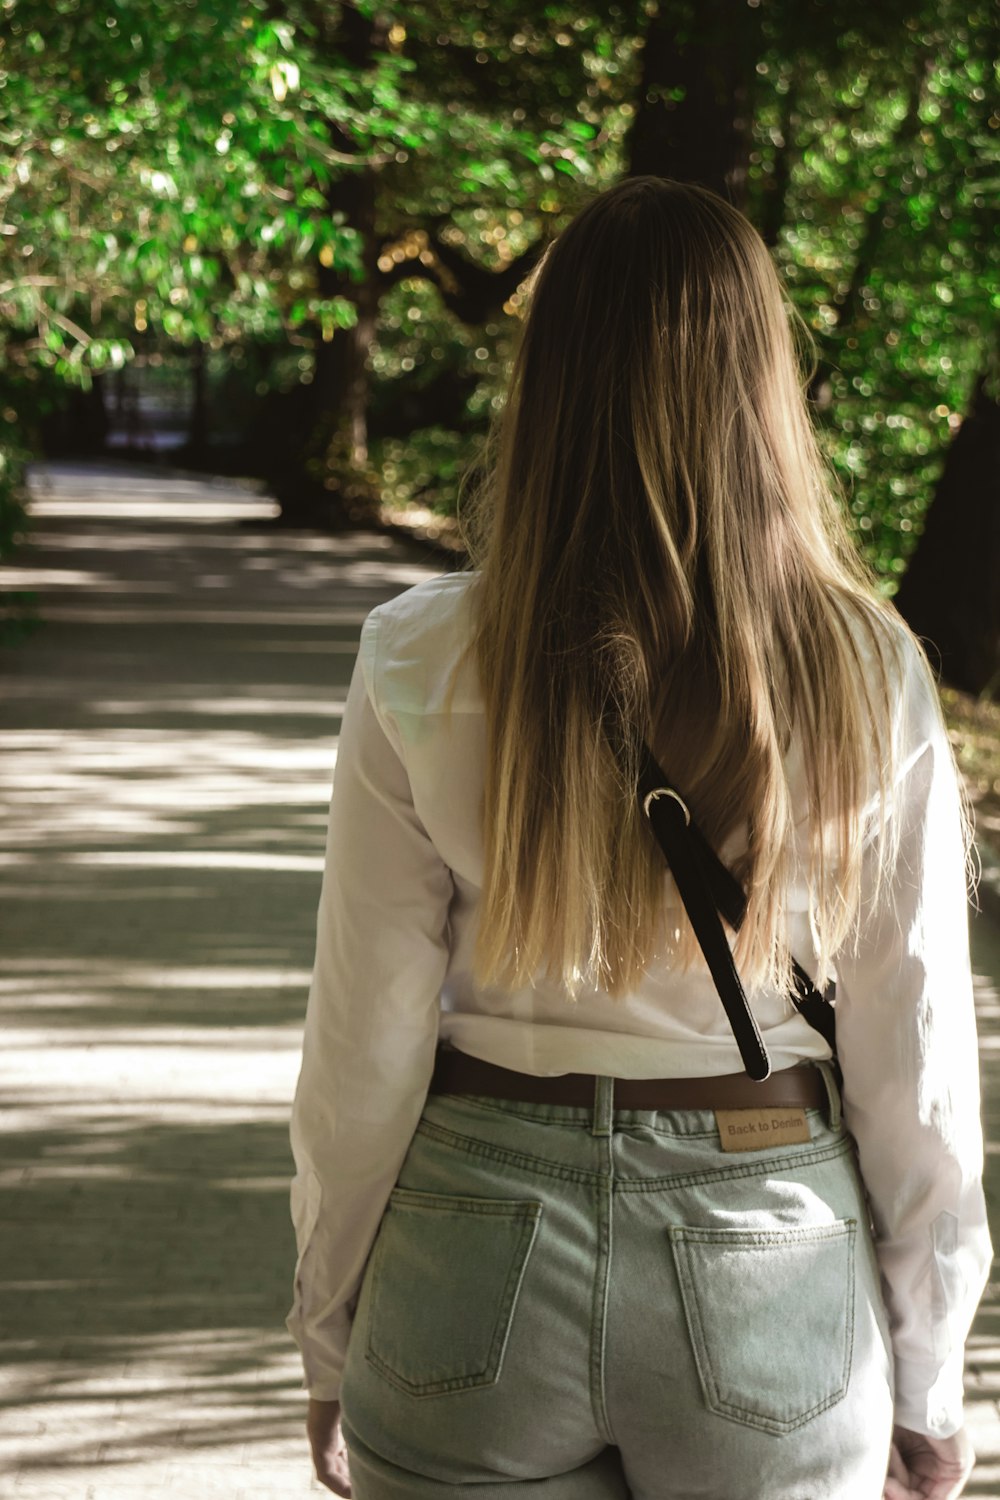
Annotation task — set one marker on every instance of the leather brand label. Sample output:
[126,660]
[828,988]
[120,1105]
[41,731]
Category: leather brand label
[761,1129]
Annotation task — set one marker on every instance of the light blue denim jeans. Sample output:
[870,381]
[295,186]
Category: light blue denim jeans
[597,1304]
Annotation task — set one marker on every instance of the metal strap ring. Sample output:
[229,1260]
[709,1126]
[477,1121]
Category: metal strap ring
[666,791]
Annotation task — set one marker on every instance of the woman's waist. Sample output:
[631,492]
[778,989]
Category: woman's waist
[670,1049]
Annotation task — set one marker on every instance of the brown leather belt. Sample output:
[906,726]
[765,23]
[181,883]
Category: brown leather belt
[457,1073]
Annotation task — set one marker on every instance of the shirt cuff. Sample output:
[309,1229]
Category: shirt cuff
[929,1398]
[323,1358]
[324,1391]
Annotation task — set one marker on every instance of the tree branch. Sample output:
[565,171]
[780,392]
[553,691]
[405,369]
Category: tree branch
[468,289]
[476,292]
[49,315]
[12,286]
[845,307]
[776,194]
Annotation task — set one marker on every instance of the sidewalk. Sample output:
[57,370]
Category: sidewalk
[168,744]
[167,741]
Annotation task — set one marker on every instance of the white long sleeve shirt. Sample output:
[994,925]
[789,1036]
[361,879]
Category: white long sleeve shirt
[395,933]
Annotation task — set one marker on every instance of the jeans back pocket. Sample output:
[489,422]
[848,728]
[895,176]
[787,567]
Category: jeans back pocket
[770,1313]
[444,1281]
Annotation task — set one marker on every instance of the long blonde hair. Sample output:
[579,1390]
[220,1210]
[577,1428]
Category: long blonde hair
[661,554]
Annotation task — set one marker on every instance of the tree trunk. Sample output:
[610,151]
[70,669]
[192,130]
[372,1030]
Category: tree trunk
[949,593]
[694,115]
[340,387]
[775,187]
[323,481]
[82,427]
[880,219]
[197,440]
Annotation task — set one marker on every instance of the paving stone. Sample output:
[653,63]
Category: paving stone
[283,1491]
[109,1487]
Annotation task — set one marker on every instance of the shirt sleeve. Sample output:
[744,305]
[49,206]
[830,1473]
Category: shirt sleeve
[371,1021]
[906,1037]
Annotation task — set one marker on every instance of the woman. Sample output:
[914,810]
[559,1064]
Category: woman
[583,1255]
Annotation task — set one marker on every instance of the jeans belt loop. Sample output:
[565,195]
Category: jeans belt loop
[834,1111]
[604,1104]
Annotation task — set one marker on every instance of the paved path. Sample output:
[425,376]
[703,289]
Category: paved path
[168,742]
[168,739]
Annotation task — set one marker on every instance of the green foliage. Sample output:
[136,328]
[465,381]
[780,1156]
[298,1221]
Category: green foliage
[172,173]
[891,251]
[169,166]
[422,469]
[157,176]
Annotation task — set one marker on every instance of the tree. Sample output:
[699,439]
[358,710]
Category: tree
[949,593]
[226,178]
[348,200]
[695,100]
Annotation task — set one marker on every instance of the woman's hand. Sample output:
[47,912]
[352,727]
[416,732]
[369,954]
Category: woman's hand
[926,1468]
[328,1450]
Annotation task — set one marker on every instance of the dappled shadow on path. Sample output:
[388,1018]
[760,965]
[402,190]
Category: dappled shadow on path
[169,737]
[146,1281]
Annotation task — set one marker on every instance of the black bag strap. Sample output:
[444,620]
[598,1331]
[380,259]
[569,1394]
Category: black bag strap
[707,889]
[815,1006]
